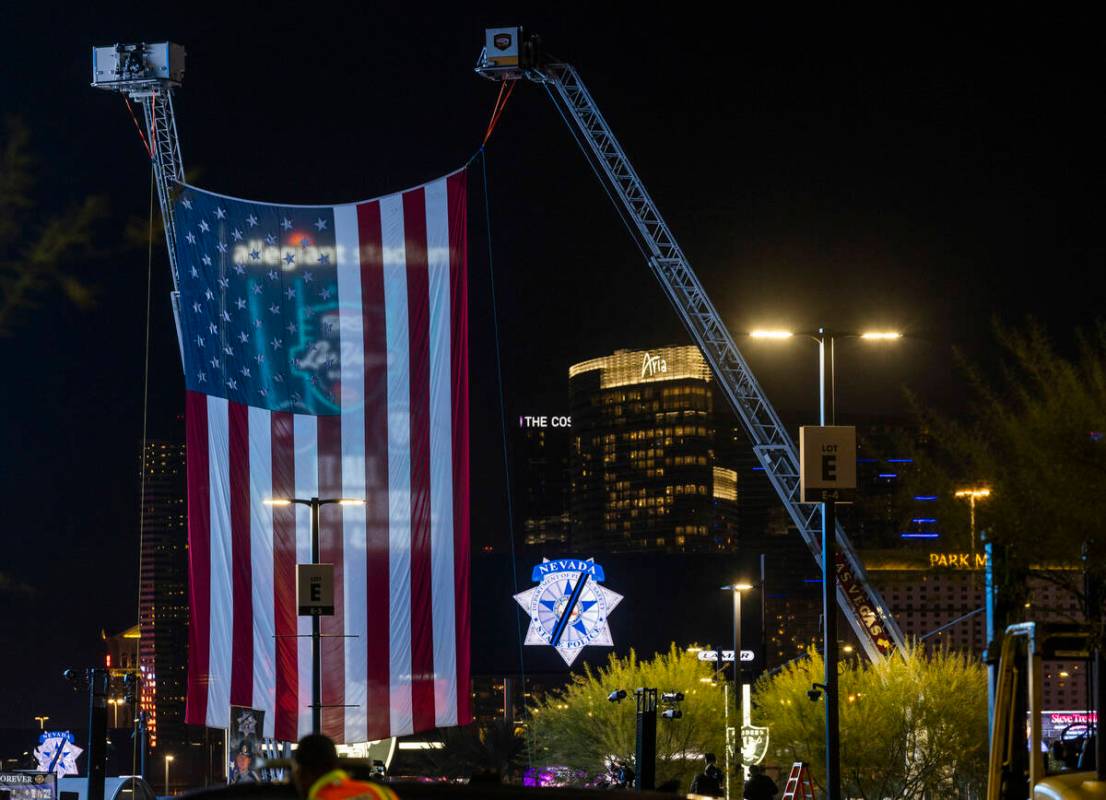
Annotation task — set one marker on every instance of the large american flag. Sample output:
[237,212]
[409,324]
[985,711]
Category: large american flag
[325,353]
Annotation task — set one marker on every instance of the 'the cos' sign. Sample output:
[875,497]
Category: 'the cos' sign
[827,455]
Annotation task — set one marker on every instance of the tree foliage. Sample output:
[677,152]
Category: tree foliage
[910,727]
[38,253]
[1035,435]
[578,727]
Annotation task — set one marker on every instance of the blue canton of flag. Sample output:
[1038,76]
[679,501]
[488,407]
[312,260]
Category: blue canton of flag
[259,302]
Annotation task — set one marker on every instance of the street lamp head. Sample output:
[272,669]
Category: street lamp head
[168,757]
[973,492]
[739,586]
[771,334]
[278,501]
[351,501]
[881,335]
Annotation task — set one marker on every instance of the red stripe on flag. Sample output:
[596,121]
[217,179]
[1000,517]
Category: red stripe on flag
[199,556]
[284,581]
[458,281]
[418,322]
[376,644]
[241,664]
[332,627]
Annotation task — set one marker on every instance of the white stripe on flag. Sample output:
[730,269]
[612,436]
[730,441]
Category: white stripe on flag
[441,456]
[305,444]
[222,595]
[399,463]
[261,556]
[354,567]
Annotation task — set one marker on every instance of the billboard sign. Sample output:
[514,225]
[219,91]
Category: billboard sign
[726,655]
[29,785]
[246,727]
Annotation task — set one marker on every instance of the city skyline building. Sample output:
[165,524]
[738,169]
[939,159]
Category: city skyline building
[652,457]
[163,591]
[121,658]
[927,589]
[541,482]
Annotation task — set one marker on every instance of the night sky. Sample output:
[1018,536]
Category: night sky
[925,175]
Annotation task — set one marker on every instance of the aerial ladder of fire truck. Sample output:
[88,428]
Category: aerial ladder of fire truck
[148,73]
[509,55]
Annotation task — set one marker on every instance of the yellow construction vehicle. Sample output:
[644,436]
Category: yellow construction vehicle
[1023,766]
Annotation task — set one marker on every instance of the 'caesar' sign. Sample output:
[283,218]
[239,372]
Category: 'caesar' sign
[827,455]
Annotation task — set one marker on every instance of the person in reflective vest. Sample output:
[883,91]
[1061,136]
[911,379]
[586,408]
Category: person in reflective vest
[316,775]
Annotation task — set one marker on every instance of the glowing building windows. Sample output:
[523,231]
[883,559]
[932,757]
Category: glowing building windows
[725,484]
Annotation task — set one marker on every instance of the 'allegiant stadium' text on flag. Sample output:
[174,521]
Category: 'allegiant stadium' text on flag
[325,353]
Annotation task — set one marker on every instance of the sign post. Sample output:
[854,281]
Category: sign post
[315,598]
[827,475]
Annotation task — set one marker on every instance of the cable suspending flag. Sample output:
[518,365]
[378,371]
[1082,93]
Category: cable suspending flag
[326,355]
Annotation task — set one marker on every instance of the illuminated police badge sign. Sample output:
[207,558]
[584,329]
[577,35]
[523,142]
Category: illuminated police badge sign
[568,608]
[57,753]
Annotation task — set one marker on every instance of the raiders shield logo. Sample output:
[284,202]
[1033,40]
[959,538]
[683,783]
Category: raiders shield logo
[502,41]
[754,744]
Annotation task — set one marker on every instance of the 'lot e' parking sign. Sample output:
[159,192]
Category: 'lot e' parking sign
[827,458]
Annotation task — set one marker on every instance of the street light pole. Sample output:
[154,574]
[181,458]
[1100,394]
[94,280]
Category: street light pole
[737,589]
[316,632]
[315,503]
[829,584]
[827,415]
[168,760]
[737,675]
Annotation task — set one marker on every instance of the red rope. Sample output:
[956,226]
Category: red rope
[495,110]
[137,127]
[505,90]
